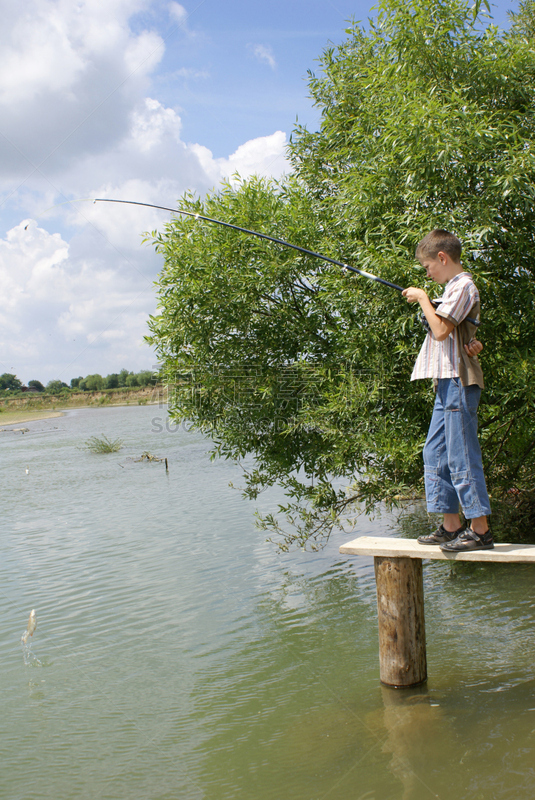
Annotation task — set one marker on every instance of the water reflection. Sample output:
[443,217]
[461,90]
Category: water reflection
[418,734]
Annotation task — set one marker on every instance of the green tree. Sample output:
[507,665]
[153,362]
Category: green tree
[75,382]
[428,121]
[111,381]
[33,384]
[123,375]
[10,382]
[144,378]
[55,386]
[523,22]
[92,383]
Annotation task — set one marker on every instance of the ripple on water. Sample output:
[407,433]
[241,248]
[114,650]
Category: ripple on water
[182,657]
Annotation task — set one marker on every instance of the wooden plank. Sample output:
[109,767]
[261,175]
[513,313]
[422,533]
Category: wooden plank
[398,548]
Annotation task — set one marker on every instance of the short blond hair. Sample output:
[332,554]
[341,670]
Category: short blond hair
[437,241]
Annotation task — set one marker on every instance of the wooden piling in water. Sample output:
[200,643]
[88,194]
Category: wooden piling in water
[400,610]
[400,597]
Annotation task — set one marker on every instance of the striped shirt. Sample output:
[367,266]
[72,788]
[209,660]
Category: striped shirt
[447,359]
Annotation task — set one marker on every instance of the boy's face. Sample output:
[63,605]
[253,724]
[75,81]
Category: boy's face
[436,268]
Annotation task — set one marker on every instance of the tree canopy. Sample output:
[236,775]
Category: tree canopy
[302,371]
[9,382]
[55,386]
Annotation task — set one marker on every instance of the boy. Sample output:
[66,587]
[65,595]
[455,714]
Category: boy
[452,455]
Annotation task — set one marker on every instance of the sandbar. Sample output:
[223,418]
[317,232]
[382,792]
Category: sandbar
[14,417]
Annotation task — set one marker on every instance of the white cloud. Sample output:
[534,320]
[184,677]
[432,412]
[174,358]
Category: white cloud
[143,53]
[263,54]
[75,114]
[85,309]
[151,124]
[69,75]
[74,86]
[178,12]
[120,226]
[38,56]
[189,72]
[265,155]
[161,168]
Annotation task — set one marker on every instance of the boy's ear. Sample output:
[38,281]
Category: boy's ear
[442,256]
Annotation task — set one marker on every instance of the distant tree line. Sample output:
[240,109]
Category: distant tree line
[91,383]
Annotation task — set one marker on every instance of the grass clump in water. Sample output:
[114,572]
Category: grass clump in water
[103,445]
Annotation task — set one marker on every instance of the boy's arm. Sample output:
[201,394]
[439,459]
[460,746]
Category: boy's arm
[440,327]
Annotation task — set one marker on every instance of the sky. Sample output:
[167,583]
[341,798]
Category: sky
[140,100]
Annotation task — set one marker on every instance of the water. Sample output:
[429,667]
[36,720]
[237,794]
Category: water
[177,656]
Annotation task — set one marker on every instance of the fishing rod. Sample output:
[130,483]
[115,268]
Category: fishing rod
[259,235]
[307,252]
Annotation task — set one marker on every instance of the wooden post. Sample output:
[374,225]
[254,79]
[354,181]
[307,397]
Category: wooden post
[400,607]
[400,597]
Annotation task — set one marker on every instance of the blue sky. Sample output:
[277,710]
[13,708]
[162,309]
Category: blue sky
[251,60]
[142,100]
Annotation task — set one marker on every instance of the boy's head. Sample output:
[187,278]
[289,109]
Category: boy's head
[440,253]
[439,241]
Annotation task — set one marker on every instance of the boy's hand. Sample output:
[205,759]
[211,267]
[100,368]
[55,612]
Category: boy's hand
[473,347]
[413,294]
[440,328]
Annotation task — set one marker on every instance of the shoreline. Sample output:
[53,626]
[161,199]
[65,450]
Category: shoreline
[29,407]
[19,415]
[15,417]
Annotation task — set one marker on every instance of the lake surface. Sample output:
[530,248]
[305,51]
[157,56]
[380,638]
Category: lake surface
[178,656]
